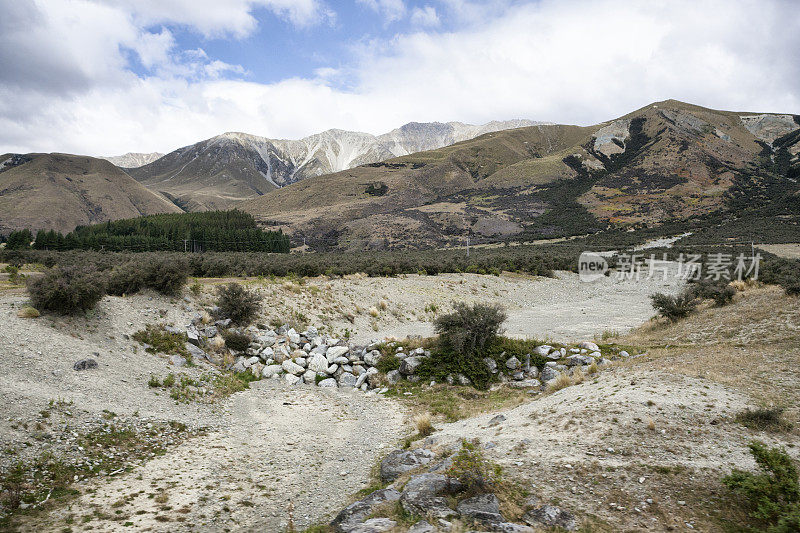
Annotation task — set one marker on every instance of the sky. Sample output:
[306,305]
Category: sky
[105,77]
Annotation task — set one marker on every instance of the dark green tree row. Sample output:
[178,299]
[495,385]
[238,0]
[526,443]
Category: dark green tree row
[219,231]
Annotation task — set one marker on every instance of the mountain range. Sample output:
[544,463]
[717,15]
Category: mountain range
[669,164]
[133,159]
[218,172]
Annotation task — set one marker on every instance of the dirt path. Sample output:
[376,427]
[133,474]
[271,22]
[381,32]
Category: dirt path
[313,447]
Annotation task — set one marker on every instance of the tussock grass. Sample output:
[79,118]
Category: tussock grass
[28,312]
[764,419]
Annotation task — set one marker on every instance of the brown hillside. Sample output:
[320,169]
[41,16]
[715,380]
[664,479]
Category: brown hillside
[61,191]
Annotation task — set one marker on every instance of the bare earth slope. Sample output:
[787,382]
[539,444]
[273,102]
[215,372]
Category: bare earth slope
[61,191]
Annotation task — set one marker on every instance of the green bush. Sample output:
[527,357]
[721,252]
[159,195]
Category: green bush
[468,329]
[237,303]
[473,470]
[465,336]
[166,276]
[125,279]
[674,307]
[773,495]
[387,363]
[236,341]
[719,291]
[67,290]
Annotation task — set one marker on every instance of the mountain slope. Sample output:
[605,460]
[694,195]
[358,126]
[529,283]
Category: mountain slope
[667,161]
[61,191]
[133,159]
[219,171]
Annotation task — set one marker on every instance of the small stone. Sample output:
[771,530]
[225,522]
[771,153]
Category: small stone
[85,364]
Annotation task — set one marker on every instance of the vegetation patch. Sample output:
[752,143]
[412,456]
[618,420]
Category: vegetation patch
[67,290]
[772,495]
[237,303]
[764,419]
[159,340]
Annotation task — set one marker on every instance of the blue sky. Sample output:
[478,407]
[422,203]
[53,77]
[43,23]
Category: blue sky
[103,77]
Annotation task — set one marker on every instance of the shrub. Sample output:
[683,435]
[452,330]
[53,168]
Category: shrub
[237,303]
[719,291]
[674,307]
[468,329]
[166,276]
[773,495]
[473,470]
[387,363]
[764,419]
[67,290]
[127,278]
[237,342]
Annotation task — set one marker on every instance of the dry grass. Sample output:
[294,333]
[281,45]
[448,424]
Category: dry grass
[561,382]
[423,423]
[749,345]
[28,312]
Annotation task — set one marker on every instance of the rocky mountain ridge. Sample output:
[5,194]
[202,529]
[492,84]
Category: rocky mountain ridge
[133,159]
[236,166]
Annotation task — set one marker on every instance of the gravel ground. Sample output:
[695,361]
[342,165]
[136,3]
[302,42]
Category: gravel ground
[559,308]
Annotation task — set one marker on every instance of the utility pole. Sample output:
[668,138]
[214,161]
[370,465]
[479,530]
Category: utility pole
[467,244]
[185,244]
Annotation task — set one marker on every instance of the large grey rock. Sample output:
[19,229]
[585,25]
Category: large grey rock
[429,483]
[543,350]
[177,360]
[309,376]
[551,516]
[372,358]
[512,363]
[196,352]
[334,352]
[423,495]
[484,508]
[393,376]
[347,379]
[587,345]
[291,379]
[85,364]
[491,364]
[329,383]
[374,525]
[577,360]
[271,370]
[192,335]
[318,363]
[548,374]
[422,527]
[355,513]
[399,462]
[292,368]
[526,384]
[409,365]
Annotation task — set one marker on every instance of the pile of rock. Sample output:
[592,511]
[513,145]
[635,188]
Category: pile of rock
[325,361]
[429,494]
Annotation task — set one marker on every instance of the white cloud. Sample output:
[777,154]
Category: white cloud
[391,10]
[425,16]
[573,62]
